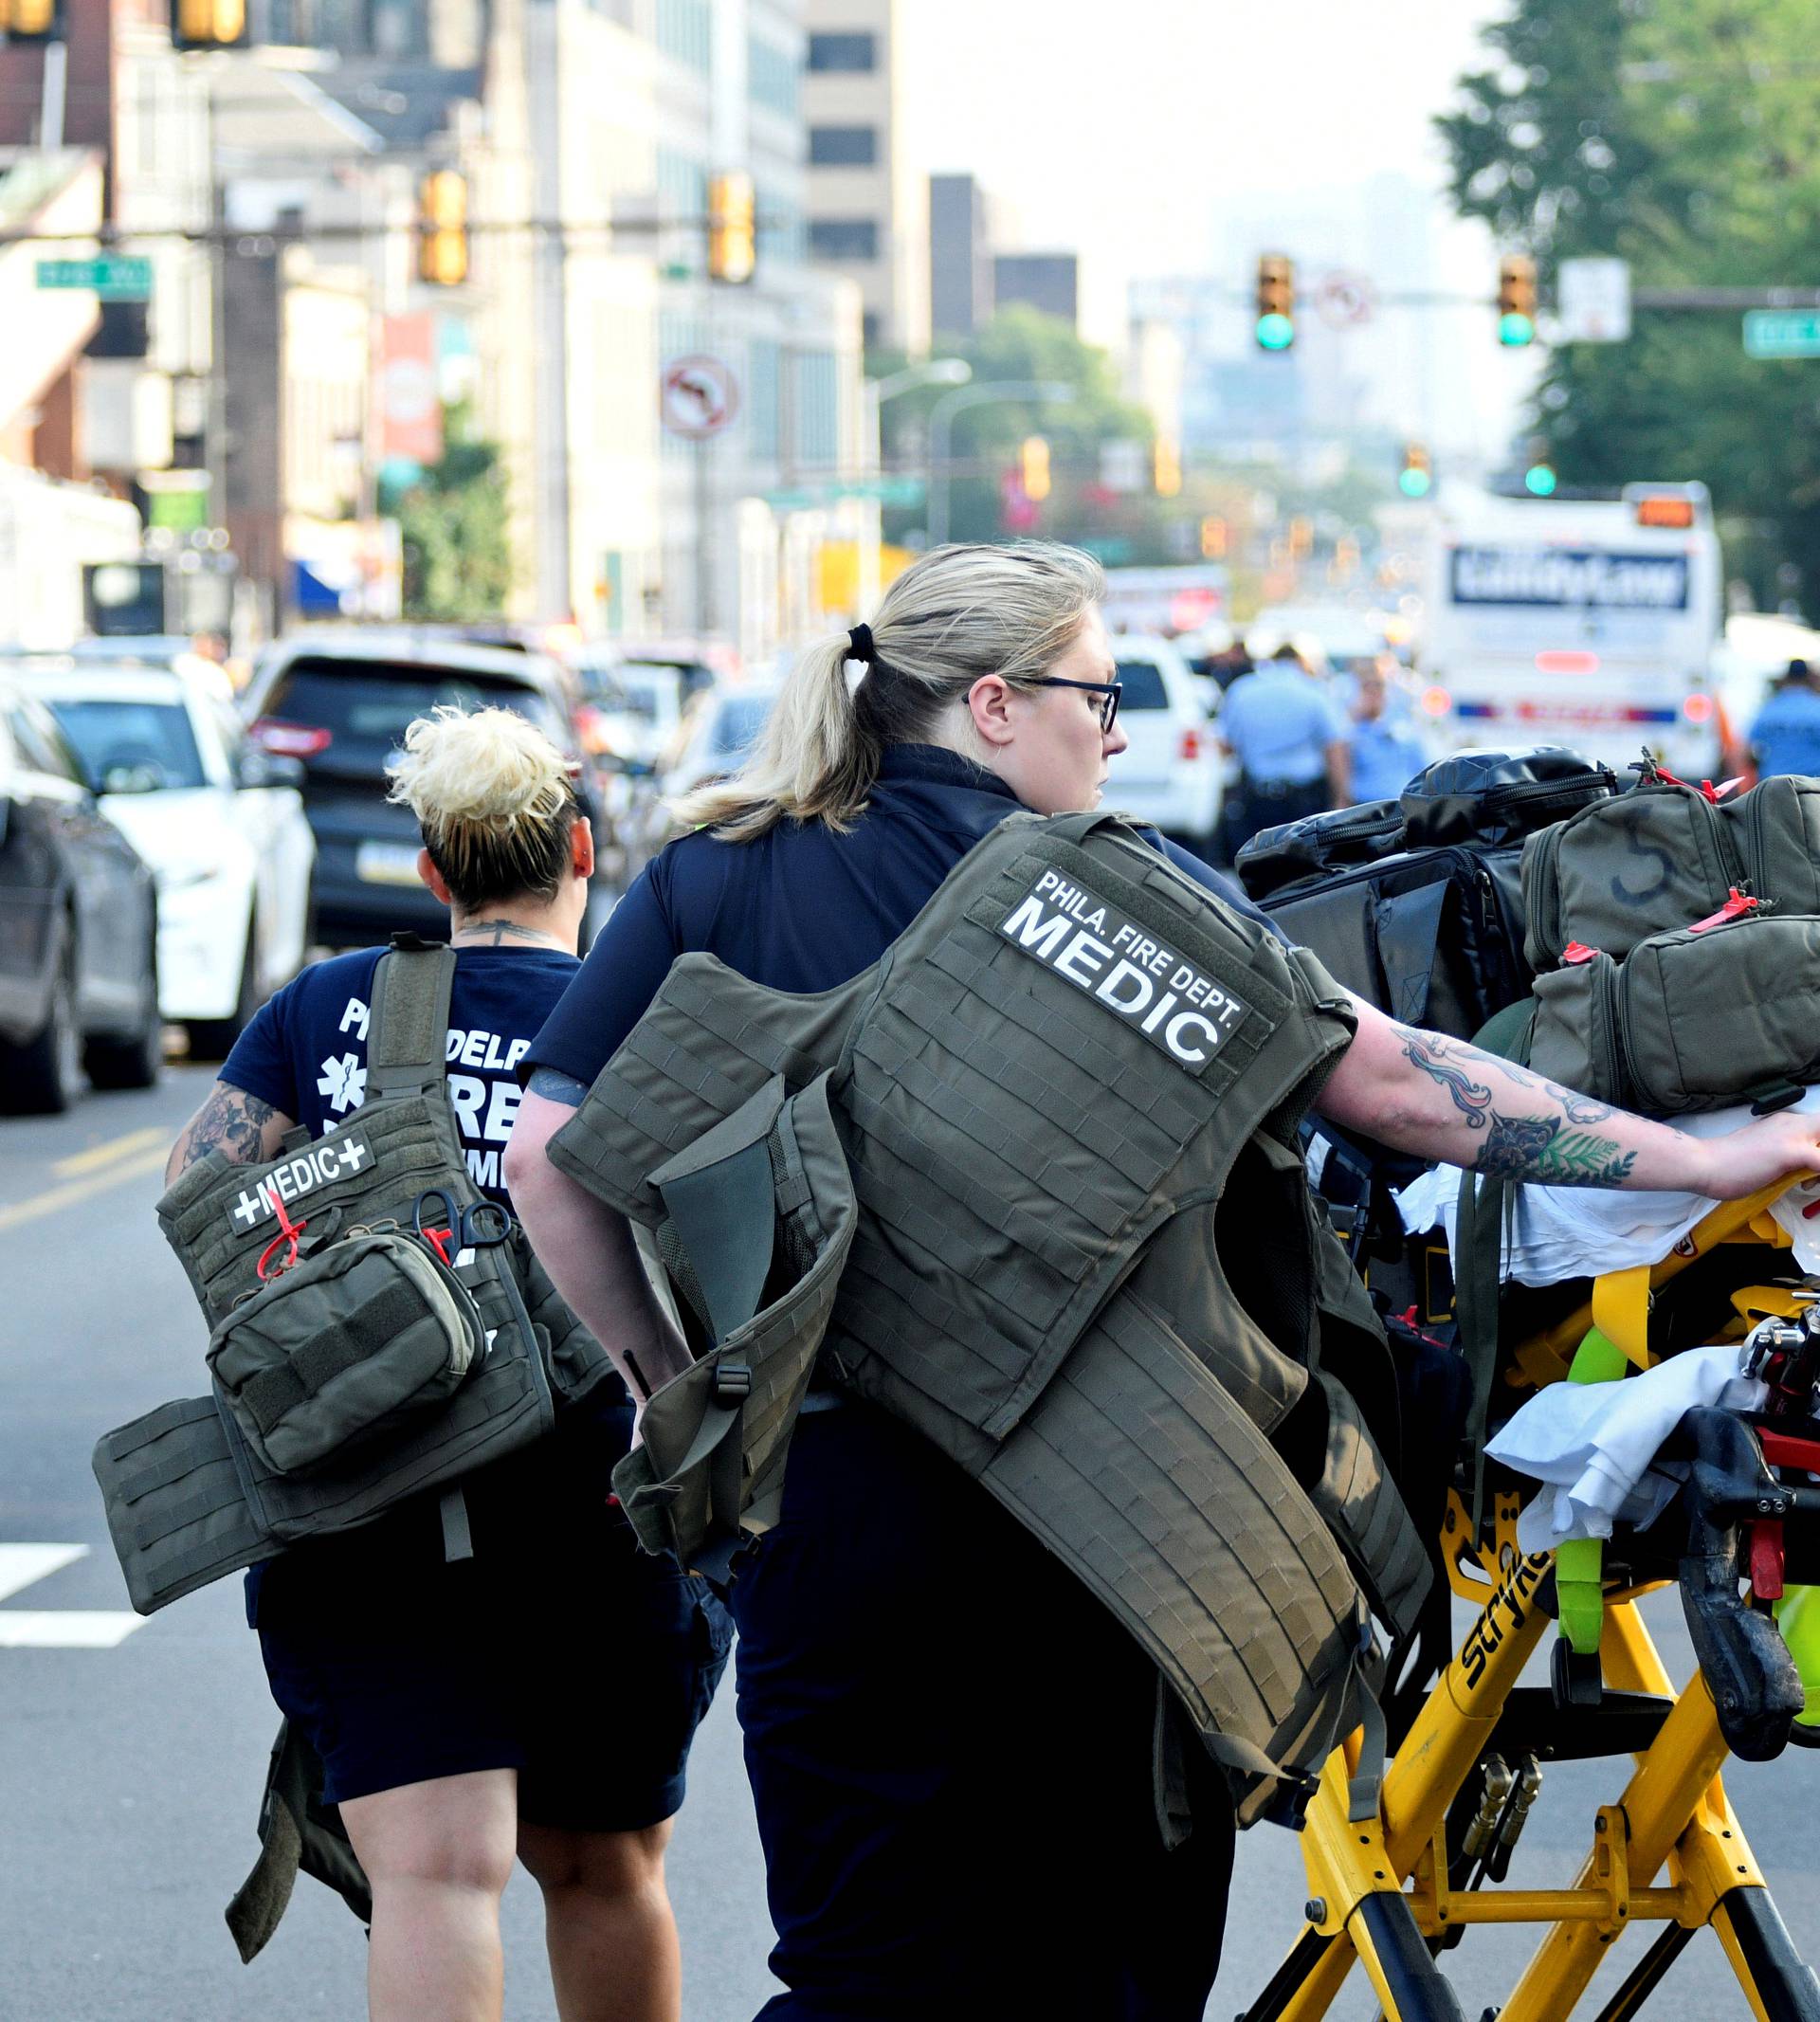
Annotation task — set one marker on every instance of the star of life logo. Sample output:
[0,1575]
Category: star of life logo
[319,1165]
[342,1083]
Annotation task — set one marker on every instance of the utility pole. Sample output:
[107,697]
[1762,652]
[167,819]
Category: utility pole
[549,289]
[1047,392]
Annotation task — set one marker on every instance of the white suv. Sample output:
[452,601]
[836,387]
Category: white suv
[1170,773]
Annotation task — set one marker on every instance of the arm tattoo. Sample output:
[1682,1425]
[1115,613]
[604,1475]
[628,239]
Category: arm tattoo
[1538,1148]
[1472,1098]
[230,1121]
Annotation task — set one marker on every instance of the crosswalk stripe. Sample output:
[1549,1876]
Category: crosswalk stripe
[66,1628]
[25,1565]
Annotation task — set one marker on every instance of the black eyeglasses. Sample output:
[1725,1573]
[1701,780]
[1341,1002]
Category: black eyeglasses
[1110,690]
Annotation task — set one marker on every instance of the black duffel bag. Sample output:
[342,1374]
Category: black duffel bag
[1293,851]
[1433,934]
[1490,799]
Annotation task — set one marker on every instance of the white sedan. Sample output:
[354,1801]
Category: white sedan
[220,822]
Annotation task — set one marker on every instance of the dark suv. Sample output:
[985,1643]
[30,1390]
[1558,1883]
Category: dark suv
[340,704]
[78,926]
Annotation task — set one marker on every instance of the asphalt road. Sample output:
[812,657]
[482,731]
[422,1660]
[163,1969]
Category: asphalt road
[131,1754]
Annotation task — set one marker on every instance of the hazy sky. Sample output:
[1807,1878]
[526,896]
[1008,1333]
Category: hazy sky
[1132,130]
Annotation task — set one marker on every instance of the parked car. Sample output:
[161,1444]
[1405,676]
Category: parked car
[79,925]
[630,709]
[1170,772]
[716,736]
[339,704]
[220,821]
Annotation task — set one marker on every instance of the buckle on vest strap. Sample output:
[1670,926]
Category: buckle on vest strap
[732,1382]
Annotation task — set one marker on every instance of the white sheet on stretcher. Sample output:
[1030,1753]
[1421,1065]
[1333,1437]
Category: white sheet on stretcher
[1592,1444]
[1563,1232]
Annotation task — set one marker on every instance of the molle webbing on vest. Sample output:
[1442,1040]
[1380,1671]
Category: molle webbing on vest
[1065,1051]
[188,1496]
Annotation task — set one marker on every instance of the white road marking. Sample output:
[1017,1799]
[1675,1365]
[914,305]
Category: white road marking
[24,1565]
[66,1628]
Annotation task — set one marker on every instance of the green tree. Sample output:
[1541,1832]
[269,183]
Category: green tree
[1019,344]
[452,525]
[1683,137]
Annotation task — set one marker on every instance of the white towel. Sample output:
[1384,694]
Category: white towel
[1593,1443]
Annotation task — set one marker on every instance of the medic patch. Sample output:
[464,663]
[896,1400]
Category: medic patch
[1124,969]
[339,1156]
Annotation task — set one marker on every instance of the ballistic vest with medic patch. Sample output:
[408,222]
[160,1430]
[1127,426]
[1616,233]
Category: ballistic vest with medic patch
[1032,1184]
[192,1491]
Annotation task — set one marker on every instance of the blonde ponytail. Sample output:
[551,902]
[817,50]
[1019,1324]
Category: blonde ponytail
[957,613]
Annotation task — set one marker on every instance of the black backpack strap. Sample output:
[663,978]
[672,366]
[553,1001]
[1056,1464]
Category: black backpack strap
[409,1018]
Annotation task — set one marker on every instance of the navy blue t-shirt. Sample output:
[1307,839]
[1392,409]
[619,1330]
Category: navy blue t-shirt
[305,1052]
[801,908]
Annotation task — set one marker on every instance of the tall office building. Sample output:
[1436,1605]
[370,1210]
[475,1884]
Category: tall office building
[1049,282]
[867,214]
[960,257]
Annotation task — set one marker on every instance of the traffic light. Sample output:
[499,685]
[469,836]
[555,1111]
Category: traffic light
[442,228]
[1166,466]
[732,227]
[1033,468]
[1276,325]
[1416,479]
[208,24]
[1215,538]
[1515,300]
[1540,479]
[31,20]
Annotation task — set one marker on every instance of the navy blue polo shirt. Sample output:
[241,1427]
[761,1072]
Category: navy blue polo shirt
[801,908]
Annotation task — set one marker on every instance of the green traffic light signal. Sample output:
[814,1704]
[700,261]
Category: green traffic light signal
[1540,481]
[1515,329]
[1415,483]
[1275,332]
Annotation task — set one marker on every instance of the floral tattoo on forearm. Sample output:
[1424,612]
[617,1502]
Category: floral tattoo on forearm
[1559,1151]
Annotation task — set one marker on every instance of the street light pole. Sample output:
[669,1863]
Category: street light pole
[874,393]
[1049,392]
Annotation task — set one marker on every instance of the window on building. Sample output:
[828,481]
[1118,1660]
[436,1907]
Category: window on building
[843,238]
[842,147]
[773,75]
[685,31]
[762,400]
[818,411]
[844,52]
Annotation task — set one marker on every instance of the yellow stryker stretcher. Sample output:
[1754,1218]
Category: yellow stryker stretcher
[1391,1893]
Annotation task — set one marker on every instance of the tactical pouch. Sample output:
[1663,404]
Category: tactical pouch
[344,1349]
[1698,1019]
[1655,858]
[760,1220]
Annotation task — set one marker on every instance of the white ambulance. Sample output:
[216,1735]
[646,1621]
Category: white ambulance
[1584,622]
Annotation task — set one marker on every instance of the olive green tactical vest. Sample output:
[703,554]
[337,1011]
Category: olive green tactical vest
[188,1496]
[1031,1183]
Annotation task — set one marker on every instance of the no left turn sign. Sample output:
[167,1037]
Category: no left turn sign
[700,395]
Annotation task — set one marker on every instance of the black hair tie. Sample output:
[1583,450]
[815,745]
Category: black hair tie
[860,646]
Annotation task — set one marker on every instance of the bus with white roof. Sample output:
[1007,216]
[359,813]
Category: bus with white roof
[1589,621]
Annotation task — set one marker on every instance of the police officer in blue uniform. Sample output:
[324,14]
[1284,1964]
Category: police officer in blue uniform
[538,1697]
[1291,742]
[949,1743]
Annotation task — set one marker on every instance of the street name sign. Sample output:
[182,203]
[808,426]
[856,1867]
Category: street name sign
[114,277]
[1782,332]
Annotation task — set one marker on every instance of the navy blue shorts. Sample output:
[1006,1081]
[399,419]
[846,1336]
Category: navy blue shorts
[560,1651]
